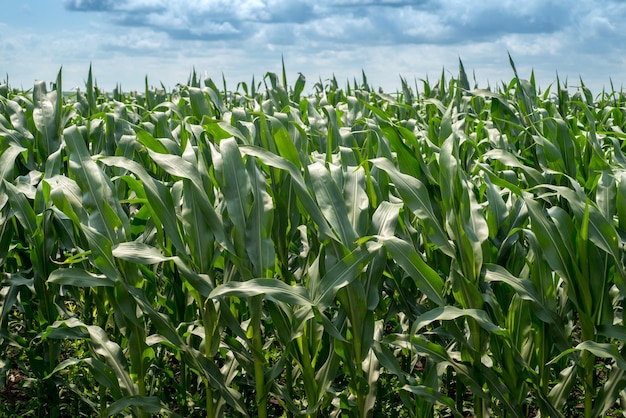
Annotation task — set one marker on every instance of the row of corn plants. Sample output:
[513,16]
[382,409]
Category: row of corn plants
[444,250]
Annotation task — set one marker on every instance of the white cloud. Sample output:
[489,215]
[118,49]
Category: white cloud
[165,39]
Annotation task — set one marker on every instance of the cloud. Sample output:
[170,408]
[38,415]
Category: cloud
[380,22]
[411,36]
[89,5]
[497,18]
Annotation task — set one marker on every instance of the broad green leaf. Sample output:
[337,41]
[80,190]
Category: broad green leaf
[17,118]
[199,103]
[101,249]
[555,250]
[150,404]
[356,199]
[440,355]
[496,208]
[195,228]
[417,199]
[433,396]
[511,160]
[79,278]
[139,253]
[523,287]
[602,350]
[273,289]
[601,230]
[45,116]
[161,203]
[176,166]
[354,303]
[235,184]
[610,391]
[260,248]
[340,275]
[54,162]
[23,210]
[286,147]
[426,279]
[103,374]
[106,213]
[331,203]
[447,313]
[7,161]
[311,208]
[198,361]
[372,368]
[109,351]
[144,138]
[621,202]
[385,219]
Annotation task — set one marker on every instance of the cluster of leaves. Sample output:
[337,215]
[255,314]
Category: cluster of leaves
[344,253]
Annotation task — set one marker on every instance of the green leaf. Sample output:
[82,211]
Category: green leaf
[523,287]
[159,198]
[102,373]
[340,275]
[260,248]
[45,116]
[448,313]
[311,208]
[7,161]
[109,351]
[426,279]
[150,404]
[511,160]
[356,200]
[197,361]
[603,350]
[235,184]
[79,278]
[23,210]
[610,392]
[67,197]
[107,215]
[273,289]
[195,228]
[354,304]
[147,140]
[417,199]
[139,253]
[621,202]
[286,147]
[331,203]
[199,104]
[385,219]
[433,396]
[555,250]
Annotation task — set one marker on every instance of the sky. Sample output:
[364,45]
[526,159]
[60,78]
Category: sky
[126,40]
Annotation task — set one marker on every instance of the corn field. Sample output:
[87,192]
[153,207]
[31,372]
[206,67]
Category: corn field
[445,250]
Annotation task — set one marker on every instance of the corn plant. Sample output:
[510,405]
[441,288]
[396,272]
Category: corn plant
[442,250]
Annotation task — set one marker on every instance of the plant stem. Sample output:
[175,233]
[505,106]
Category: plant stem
[257,353]
[308,374]
[182,389]
[588,362]
[210,407]
[208,331]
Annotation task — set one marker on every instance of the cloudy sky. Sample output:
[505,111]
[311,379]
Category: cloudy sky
[125,40]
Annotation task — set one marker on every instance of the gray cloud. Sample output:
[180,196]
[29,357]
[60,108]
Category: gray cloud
[341,23]
[89,5]
[128,39]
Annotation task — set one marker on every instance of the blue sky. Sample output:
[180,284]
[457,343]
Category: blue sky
[125,40]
